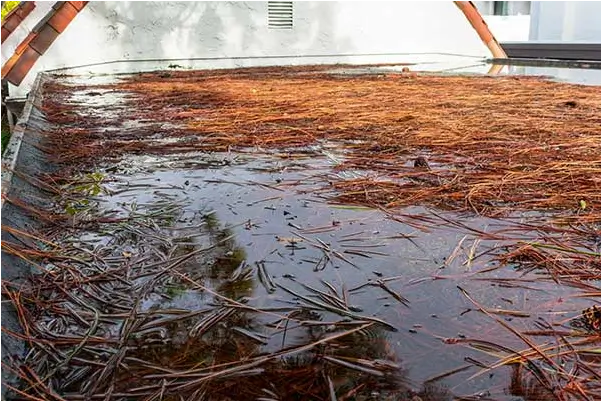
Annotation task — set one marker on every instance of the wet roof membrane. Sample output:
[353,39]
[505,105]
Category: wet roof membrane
[306,232]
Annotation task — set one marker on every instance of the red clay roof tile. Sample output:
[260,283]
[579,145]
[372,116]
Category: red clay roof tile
[79,5]
[5,33]
[44,39]
[25,7]
[58,4]
[22,66]
[9,65]
[25,43]
[15,17]
[41,23]
[19,10]
[62,17]
[39,40]
[12,22]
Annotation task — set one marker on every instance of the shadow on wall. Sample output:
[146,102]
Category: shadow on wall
[220,30]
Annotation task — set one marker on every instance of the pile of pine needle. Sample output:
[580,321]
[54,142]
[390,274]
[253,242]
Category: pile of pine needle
[487,144]
[494,146]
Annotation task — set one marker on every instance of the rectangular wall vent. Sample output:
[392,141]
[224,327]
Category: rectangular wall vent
[279,14]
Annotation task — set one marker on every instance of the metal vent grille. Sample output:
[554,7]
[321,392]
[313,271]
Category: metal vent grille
[279,14]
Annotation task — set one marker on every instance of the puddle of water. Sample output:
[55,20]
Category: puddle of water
[257,261]
[300,240]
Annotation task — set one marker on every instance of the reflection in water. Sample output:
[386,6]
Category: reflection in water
[152,297]
[177,322]
[189,305]
[528,387]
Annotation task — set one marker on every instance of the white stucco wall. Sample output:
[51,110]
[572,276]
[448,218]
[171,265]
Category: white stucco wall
[566,21]
[372,31]
[514,28]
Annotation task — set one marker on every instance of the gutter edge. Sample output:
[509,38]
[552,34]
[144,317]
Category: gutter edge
[10,156]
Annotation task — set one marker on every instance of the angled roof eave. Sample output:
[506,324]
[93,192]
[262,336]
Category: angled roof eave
[475,19]
[14,18]
[41,37]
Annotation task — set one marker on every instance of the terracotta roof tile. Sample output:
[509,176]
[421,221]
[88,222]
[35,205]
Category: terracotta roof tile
[44,39]
[62,17]
[17,11]
[4,34]
[58,5]
[41,23]
[27,7]
[79,4]
[25,43]
[15,17]
[39,40]
[22,66]
[9,65]
[11,22]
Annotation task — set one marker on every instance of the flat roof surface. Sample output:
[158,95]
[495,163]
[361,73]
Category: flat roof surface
[322,232]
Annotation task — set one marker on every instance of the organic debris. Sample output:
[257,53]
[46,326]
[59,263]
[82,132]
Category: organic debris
[90,332]
[590,320]
[493,144]
[142,289]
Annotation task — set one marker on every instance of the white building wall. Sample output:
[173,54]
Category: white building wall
[566,21]
[372,31]
[514,28]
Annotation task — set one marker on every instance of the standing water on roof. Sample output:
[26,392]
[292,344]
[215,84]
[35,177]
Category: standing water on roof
[287,233]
